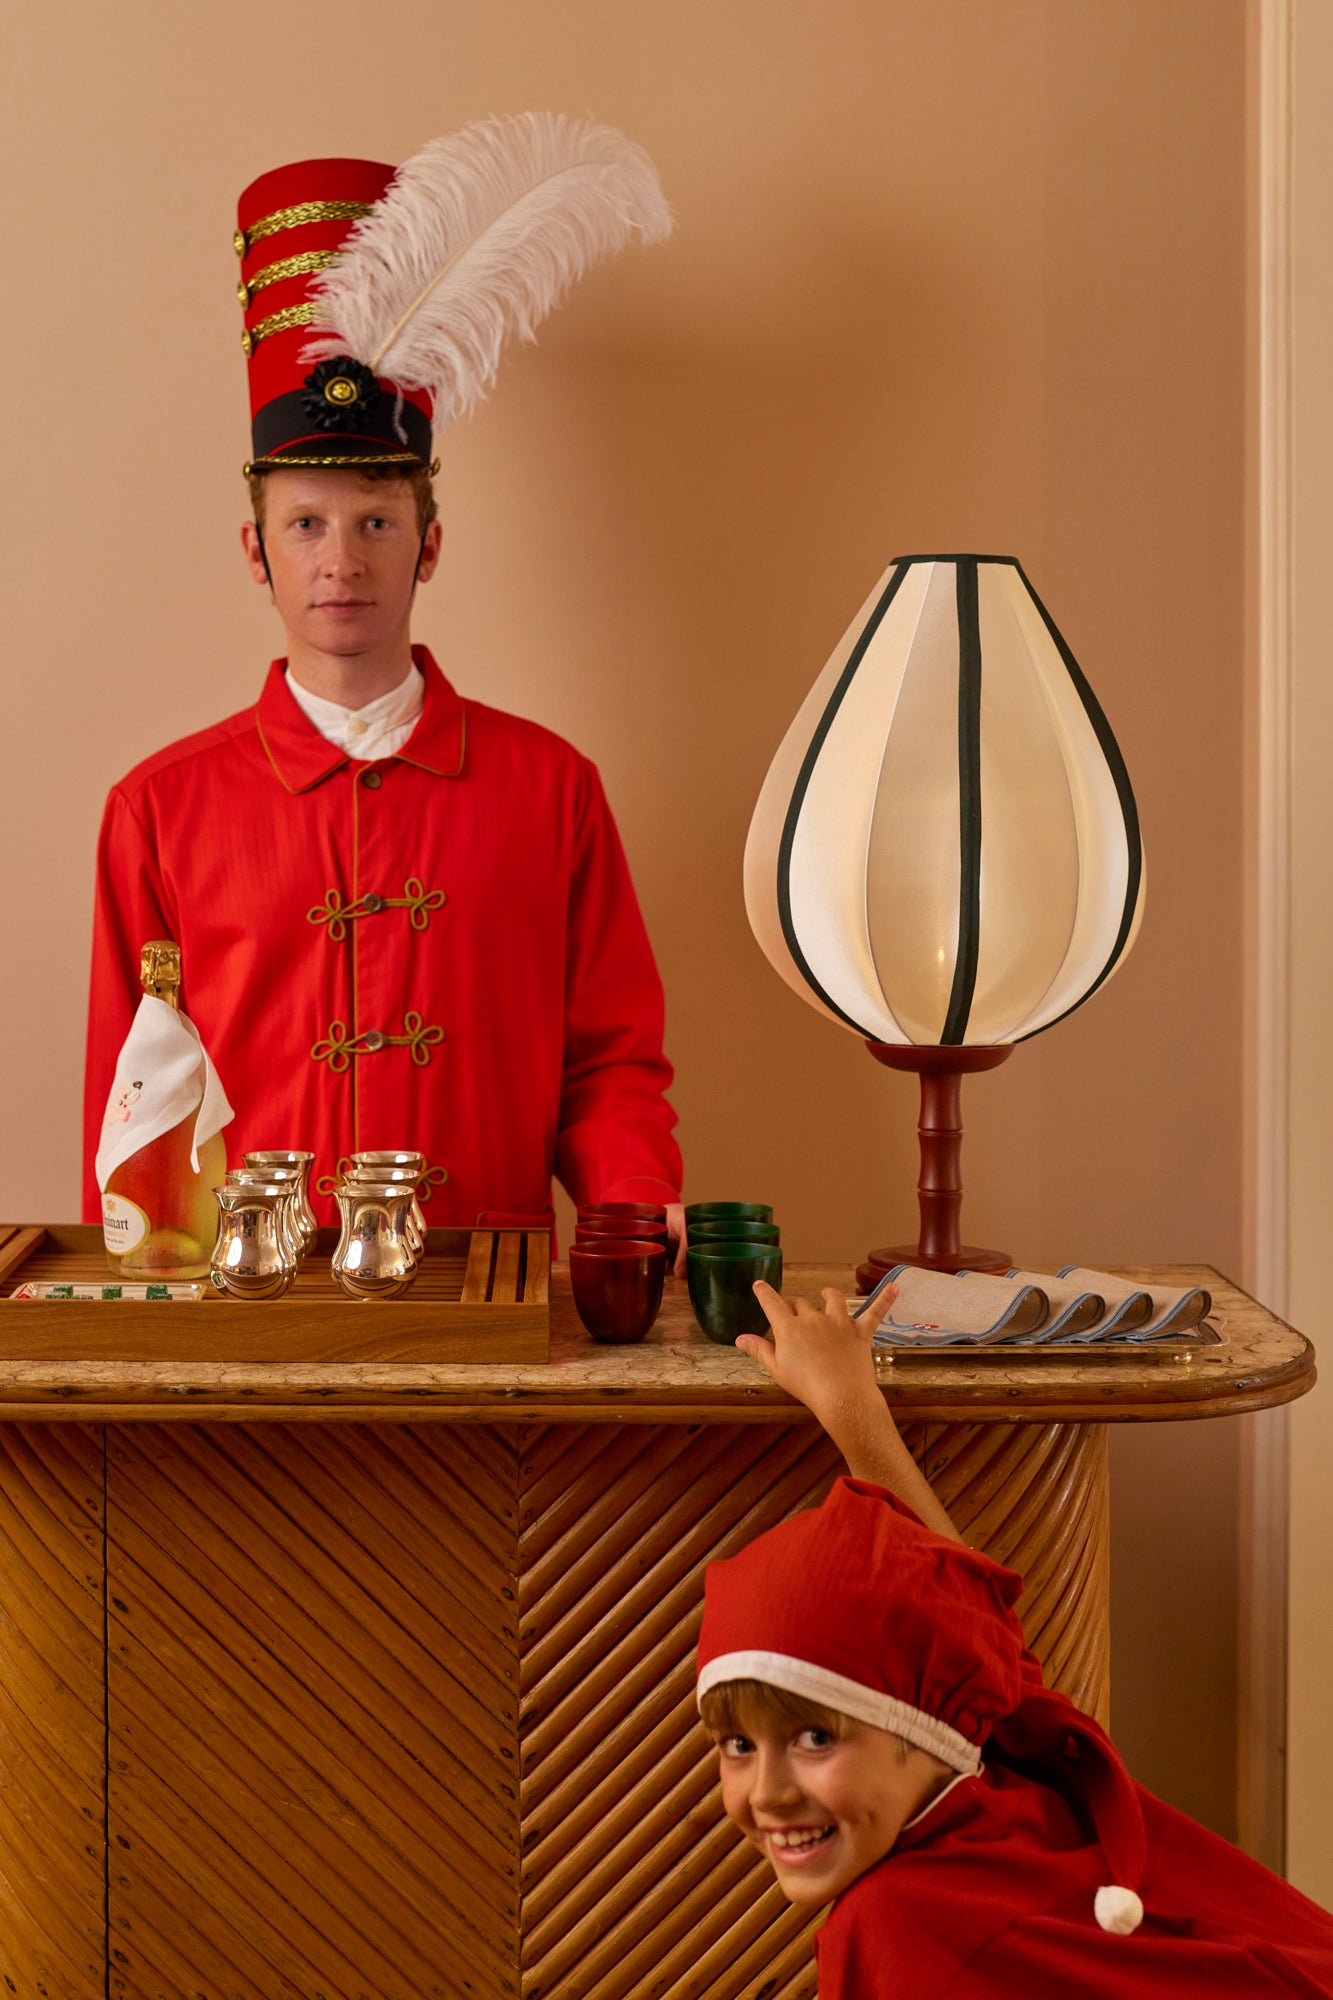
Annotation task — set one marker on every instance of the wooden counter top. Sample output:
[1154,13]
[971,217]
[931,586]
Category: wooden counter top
[676,1376]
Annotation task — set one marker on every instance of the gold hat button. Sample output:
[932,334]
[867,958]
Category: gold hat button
[247,345]
[238,243]
[340,389]
[243,293]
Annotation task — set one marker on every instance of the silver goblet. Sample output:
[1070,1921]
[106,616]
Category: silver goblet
[364,1176]
[253,1256]
[301,1164]
[374,1258]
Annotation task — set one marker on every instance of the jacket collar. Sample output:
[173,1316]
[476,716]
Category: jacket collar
[302,758]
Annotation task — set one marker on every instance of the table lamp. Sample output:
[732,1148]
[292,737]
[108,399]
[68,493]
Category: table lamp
[945,855]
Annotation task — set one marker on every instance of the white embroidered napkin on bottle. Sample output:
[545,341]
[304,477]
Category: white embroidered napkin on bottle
[163,1077]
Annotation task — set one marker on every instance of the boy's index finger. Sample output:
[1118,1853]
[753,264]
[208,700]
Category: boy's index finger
[776,1310]
[757,1348]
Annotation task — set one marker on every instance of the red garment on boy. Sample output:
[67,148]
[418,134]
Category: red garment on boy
[1042,1869]
[441,950]
[990,1896]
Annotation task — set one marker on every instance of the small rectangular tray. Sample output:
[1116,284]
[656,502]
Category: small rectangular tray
[1175,1347]
[481,1295]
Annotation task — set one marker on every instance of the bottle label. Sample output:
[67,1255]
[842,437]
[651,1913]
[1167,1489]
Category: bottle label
[124,1224]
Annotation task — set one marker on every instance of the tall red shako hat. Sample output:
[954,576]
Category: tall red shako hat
[290,225]
[378,301]
[859,1607]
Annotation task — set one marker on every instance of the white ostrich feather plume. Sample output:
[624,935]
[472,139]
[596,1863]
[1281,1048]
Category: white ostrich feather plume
[477,237]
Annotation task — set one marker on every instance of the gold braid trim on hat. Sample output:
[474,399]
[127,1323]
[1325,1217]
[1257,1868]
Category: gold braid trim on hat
[300,266]
[280,458]
[278,322]
[297,217]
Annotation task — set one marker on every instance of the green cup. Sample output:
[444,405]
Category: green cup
[721,1278]
[734,1229]
[728,1211]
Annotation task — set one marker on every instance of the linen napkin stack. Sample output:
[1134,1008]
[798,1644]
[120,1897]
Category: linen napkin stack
[1032,1309]
[1167,1312]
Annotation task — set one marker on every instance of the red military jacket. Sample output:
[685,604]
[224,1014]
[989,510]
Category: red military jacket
[989,1895]
[441,951]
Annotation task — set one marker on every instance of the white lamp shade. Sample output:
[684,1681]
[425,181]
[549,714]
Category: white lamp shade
[946,848]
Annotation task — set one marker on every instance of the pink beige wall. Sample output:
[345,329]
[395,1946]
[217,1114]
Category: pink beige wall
[948,274]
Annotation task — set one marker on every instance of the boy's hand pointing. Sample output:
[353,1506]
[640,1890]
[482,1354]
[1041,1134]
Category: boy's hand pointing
[824,1358]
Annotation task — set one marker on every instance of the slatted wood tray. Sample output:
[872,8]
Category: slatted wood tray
[481,1295]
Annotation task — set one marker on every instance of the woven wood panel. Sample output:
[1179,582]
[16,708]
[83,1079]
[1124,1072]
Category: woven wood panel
[313,1713]
[52,1725]
[405,1712]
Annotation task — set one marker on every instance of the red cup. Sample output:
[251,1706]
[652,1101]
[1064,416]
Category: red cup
[628,1211]
[605,1228]
[617,1286]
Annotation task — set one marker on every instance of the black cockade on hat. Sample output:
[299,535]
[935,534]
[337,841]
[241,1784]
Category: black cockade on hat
[339,393]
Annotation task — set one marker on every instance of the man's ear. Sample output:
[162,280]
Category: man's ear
[253,546]
[429,559]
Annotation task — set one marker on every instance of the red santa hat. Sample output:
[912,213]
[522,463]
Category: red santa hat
[859,1607]
[378,301]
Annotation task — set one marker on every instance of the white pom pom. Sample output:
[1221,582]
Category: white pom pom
[1118,1910]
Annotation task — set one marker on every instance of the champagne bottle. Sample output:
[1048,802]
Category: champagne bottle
[159,1217]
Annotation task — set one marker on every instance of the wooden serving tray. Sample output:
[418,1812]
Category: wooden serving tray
[481,1295]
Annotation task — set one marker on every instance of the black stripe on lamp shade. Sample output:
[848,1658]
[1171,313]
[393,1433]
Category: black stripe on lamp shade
[802,785]
[969,805]
[1129,810]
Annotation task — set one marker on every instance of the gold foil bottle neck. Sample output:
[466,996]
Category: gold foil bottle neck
[160,970]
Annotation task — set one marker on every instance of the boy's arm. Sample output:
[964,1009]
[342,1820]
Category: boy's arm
[825,1359]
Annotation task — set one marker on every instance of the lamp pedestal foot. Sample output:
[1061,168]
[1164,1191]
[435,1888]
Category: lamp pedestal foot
[940,1188]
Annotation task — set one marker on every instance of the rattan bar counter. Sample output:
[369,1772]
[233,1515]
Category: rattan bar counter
[368,1682]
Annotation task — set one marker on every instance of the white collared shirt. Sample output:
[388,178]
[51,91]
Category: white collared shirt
[380,729]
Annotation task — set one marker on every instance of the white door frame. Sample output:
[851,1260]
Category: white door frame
[1265,1444]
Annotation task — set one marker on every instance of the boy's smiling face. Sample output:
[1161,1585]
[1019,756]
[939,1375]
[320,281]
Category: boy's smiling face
[821,1804]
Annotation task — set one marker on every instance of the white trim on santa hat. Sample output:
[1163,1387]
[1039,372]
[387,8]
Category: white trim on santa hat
[863,1704]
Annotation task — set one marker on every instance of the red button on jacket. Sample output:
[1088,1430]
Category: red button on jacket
[500,1011]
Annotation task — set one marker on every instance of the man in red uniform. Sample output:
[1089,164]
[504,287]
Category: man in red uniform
[405,917]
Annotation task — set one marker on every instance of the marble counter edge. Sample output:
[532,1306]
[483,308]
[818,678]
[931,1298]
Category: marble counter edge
[678,1378]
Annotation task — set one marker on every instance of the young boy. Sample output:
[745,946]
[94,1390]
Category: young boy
[886,1741]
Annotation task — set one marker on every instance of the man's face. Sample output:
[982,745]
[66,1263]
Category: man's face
[822,1808]
[342,556]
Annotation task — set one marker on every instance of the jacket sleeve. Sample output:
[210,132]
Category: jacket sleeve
[131,907]
[614,1141]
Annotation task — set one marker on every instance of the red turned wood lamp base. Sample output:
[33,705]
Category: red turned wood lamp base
[940,1188]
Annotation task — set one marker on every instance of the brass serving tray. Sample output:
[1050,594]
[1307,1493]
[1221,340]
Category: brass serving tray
[1171,1348]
